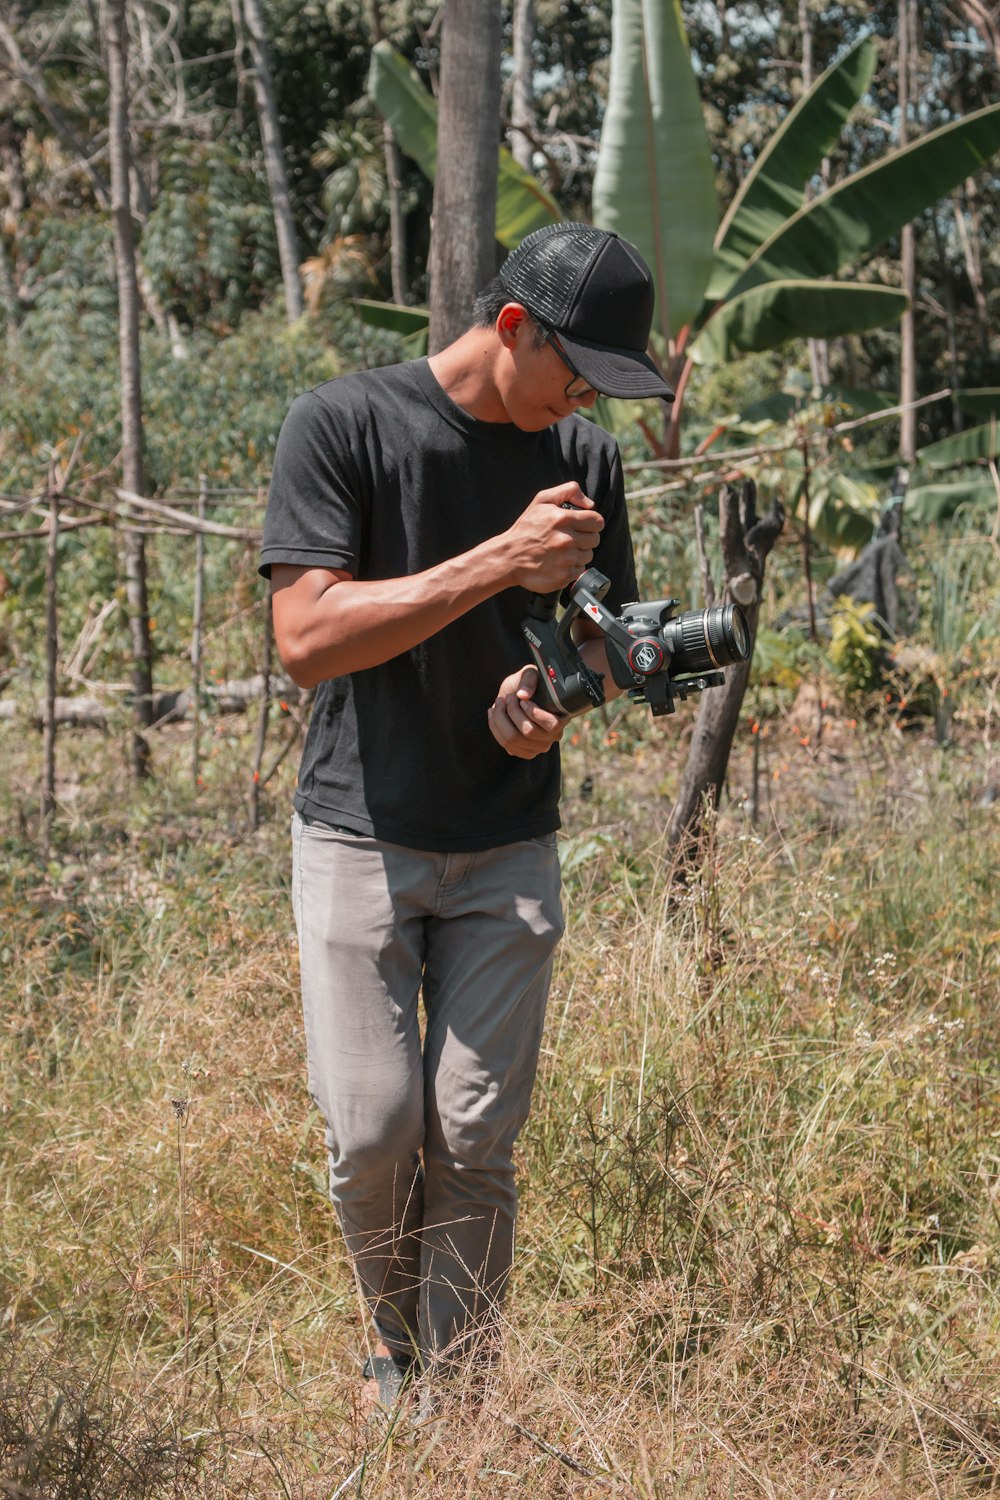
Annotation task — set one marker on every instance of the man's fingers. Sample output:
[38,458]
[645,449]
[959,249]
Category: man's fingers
[569,494]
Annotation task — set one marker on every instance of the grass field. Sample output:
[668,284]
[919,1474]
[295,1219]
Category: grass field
[760,1234]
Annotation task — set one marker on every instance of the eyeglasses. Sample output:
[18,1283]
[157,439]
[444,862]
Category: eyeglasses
[577,389]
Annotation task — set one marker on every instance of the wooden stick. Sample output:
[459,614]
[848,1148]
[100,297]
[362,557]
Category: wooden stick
[707,586]
[199,605]
[262,718]
[185,519]
[51,670]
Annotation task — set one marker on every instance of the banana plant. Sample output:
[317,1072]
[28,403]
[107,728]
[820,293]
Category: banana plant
[768,272]
[765,274]
[937,498]
[398,91]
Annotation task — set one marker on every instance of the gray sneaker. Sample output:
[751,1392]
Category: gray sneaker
[392,1373]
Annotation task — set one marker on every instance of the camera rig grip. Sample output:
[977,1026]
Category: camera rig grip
[653,657]
[569,683]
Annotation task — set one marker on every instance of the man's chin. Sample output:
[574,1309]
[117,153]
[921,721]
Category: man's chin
[538,421]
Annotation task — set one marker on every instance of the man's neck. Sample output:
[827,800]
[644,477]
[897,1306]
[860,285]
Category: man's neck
[465,372]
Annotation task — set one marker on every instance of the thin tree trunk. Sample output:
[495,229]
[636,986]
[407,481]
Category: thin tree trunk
[973,259]
[196,631]
[948,300]
[819,352]
[274,161]
[394,179]
[262,717]
[908,353]
[522,105]
[746,542]
[51,669]
[463,244]
[131,375]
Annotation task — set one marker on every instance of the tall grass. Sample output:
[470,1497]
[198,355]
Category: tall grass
[760,1227]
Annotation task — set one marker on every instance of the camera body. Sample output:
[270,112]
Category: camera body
[654,654]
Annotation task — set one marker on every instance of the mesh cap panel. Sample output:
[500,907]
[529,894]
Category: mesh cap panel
[547,269]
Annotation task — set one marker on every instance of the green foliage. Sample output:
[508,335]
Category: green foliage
[766,316]
[782,661]
[940,502]
[655,182]
[209,243]
[523,204]
[855,648]
[775,185]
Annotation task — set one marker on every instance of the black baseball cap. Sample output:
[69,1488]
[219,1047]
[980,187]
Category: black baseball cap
[596,292]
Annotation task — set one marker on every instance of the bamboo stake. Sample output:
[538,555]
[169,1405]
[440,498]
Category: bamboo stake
[806,539]
[196,627]
[51,670]
[262,718]
[708,587]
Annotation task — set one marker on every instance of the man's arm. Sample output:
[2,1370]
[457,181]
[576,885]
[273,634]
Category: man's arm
[327,623]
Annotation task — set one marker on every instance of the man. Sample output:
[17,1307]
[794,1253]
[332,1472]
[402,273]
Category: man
[410,508]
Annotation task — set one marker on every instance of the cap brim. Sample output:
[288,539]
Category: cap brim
[616,372]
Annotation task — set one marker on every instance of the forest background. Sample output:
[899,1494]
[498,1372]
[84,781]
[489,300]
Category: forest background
[760,1236]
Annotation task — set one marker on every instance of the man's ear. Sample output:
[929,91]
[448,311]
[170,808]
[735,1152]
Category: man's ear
[511,320]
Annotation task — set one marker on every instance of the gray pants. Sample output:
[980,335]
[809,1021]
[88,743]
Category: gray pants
[421,1133]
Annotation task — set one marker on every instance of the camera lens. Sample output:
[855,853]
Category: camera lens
[701,639]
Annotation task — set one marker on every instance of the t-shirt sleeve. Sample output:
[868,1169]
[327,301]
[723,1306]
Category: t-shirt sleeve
[315,505]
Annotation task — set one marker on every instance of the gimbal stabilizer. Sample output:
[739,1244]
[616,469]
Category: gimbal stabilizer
[655,655]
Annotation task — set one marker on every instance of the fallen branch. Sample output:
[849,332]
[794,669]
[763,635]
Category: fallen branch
[88,711]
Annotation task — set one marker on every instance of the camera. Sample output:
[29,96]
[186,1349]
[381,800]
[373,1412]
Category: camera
[654,654]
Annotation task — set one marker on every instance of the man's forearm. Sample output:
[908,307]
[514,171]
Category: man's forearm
[358,623]
[327,625]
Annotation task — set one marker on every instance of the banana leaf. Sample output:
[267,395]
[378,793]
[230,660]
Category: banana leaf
[857,215]
[402,100]
[655,181]
[774,188]
[982,402]
[765,316]
[963,448]
[412,323]
[936,502]
[843,509]
[404,320]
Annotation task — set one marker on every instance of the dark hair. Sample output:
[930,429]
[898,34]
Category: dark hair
[490,302]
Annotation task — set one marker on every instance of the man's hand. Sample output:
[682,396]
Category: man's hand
[553,540]
[523,727]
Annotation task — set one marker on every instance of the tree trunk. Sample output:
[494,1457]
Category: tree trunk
[522,104]
[131,373]
[394,178]
[819,352]
[973,259]
[274,161]
[51,669]
[746,542]
[908,353]
[463,244]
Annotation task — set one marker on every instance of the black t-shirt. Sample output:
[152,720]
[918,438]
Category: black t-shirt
[380,473]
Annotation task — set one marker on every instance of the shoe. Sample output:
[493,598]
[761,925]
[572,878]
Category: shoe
[392,1373]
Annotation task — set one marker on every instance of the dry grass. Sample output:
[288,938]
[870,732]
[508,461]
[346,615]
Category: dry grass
[760,1234]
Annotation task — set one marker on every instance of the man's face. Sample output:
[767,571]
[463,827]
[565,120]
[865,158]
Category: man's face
[543,387]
